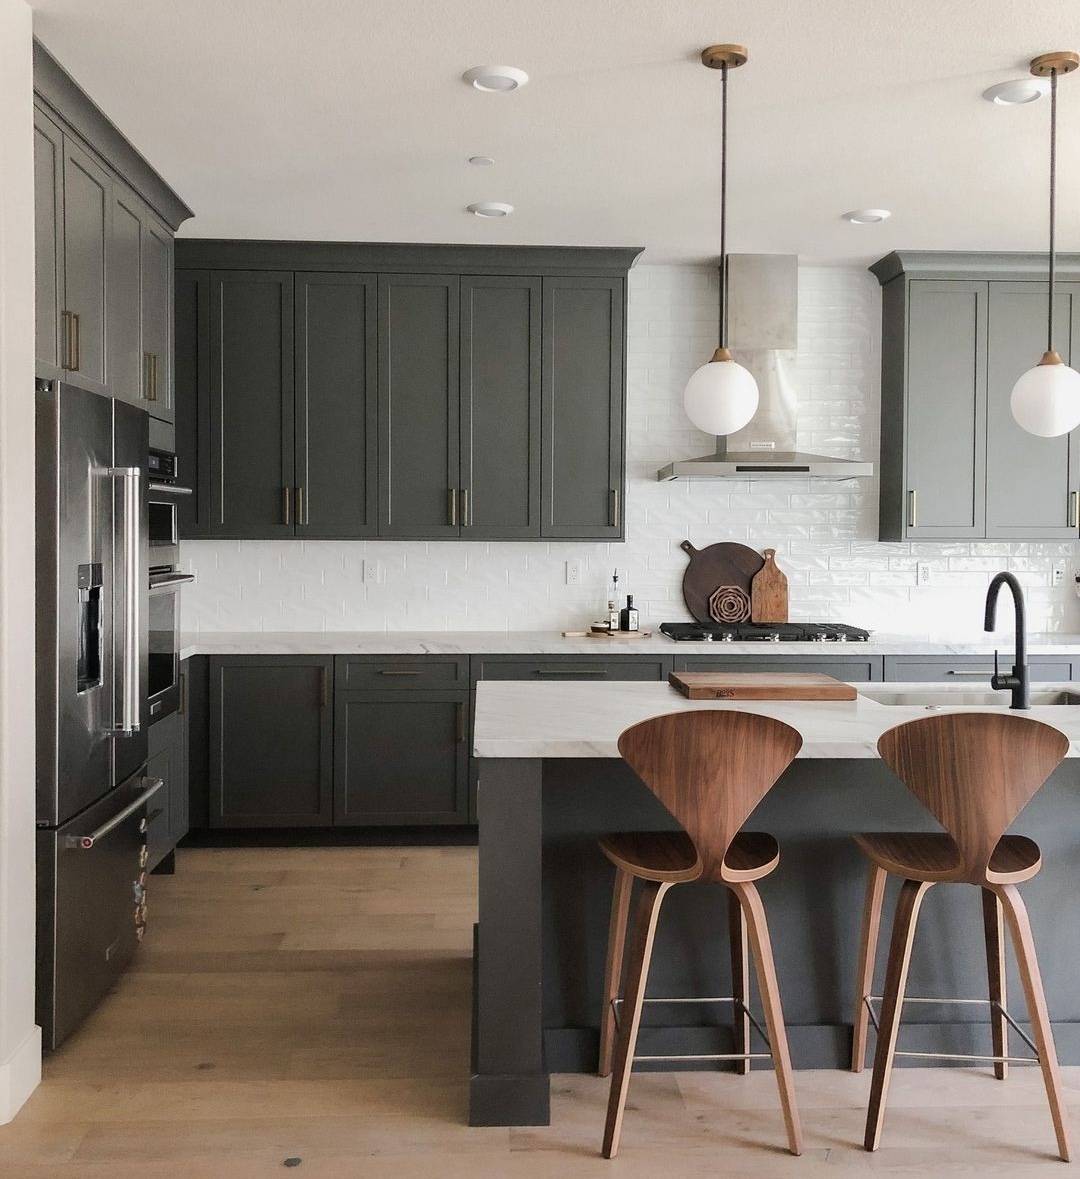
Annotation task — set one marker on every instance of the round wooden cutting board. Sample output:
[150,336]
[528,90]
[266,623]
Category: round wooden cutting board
[723,564]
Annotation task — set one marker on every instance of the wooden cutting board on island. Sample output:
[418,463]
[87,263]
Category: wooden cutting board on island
[760,685]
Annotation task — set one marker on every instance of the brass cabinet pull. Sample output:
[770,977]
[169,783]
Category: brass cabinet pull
[299,493]
[153,377]
[67,341]
[452,494]
[466,518]
[285,505]
[460,722]
[614,507]
[912,507]
[398,671]
[149,376]
[76,347]
[1074,509]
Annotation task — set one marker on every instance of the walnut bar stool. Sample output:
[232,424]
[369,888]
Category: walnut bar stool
[974,772]
[710,768]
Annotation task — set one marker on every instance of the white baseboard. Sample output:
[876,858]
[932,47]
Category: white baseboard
[20,1075]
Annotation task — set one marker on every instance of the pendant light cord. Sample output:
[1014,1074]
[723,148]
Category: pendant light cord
[1053,187]
[723,205]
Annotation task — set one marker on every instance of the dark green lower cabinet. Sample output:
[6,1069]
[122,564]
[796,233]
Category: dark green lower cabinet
[401,758]
[271,741]
[167,821]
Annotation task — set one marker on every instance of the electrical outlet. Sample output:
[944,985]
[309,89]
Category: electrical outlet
[372,572]
[922,573]
[573,572]
[1059,572]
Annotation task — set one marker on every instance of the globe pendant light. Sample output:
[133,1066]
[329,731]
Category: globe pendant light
[722,396]
[1046,399]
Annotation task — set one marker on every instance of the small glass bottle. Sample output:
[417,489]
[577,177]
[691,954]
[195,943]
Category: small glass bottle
[612,607]
[628,616]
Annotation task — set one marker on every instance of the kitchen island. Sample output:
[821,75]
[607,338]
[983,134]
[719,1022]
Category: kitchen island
[551,781]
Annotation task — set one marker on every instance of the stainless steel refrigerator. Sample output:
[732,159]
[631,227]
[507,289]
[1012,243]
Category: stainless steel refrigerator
[92,793]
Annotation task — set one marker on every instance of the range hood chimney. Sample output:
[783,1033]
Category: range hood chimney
[762,319]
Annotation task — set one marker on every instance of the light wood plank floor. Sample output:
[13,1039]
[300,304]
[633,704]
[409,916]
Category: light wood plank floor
[313,1004]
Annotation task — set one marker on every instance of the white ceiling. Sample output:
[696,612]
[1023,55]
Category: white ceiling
[348,119]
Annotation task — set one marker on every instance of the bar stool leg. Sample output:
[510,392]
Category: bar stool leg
[740,979]
[903,936]
[994,929]
[637,971]
[1024,943]
[620,908]
[758,928]
[864,983]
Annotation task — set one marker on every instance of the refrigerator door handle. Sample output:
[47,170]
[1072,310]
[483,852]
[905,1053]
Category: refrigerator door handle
[130,718]
[85,842]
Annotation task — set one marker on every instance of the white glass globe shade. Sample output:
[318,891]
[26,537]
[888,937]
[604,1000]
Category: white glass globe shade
[721,397]
[1046,400]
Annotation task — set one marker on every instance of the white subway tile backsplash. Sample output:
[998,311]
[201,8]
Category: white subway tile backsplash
[824,532]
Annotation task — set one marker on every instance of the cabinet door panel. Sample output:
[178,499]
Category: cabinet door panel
[251,404]
[418,405]
[336,437]
[270,741]
[191,377]
[500,407]
[973,670]
[48,240]
[582,427]
[946,462]
[87,197]
[1029,480]
[165,761]
[157,317]
[401,759]
[125,360]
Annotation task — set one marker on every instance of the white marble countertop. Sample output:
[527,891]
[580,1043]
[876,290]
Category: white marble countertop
[575,719]
[552,643]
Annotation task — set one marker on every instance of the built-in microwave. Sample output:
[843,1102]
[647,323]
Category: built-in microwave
[165,582]
[162,494]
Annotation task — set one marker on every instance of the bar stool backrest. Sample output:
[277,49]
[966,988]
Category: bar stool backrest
[974,772]
[710,768]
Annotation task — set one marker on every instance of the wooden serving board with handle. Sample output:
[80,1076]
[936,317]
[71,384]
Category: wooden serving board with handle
[760,685]
[726,564]
[768,592]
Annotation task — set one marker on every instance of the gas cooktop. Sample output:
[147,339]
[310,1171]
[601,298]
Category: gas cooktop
[763,632]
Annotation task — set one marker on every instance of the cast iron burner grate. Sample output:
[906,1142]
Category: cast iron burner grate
[763,632]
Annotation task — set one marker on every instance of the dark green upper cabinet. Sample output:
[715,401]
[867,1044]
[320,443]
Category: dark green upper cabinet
[104,223]
[419,489]
[583,404]
[439,392]
[957,331]
[48,241]
[500,407]
[87,223]
[335,407]
[1032,482]
[156,317]
[251,404]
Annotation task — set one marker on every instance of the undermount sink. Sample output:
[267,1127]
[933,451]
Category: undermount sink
[949,698]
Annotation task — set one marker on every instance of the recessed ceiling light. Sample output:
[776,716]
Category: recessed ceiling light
[1017,92]
[482,161]
[490,209]
[867,216]
[496,79]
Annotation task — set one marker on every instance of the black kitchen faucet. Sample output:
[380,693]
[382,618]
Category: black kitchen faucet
[1017,682]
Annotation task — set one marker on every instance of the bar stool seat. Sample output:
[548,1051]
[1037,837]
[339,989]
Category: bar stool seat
[671,855]
[709,768]
[934,856]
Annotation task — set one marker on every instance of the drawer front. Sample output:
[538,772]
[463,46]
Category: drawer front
[972,669]
[563,668]
[400,673]
[850,670]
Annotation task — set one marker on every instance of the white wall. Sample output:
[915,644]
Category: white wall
[824,533]
[20,1040]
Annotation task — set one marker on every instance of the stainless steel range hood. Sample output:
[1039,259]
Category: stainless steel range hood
[762,317]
